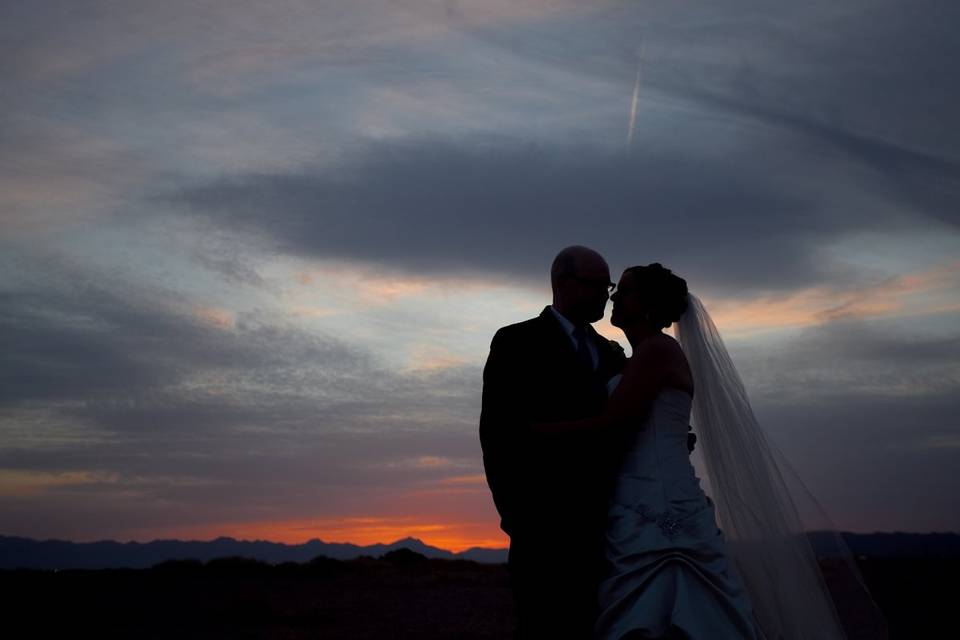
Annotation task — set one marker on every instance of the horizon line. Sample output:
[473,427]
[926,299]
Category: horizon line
[224,537]
[399,540]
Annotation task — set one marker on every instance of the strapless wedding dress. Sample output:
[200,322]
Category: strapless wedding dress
[669,573]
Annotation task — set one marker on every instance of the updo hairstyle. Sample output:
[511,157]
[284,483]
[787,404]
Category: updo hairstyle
[663,293]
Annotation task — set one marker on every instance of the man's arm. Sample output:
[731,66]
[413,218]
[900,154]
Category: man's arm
[643,377]
[501,427]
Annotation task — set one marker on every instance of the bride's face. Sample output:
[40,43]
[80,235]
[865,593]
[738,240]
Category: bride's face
[627,308]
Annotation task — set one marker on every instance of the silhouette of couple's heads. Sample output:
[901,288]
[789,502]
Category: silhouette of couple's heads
[650,295]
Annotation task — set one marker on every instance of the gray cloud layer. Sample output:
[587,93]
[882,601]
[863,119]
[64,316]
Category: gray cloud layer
[441,208]
[869,417]
[843,120]
[174,413]
[175,417]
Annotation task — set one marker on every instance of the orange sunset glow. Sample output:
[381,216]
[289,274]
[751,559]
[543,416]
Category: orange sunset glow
[362,531]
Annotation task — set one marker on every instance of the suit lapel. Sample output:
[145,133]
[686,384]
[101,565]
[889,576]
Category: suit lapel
[564,344]
[560,342]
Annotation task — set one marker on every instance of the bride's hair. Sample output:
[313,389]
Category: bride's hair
[664,293]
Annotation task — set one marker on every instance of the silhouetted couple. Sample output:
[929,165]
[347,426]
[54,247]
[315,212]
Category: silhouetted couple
[587,455]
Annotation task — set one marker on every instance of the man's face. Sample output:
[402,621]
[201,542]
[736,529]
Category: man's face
[588,289]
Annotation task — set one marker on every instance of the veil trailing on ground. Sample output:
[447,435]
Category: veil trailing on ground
[756,494]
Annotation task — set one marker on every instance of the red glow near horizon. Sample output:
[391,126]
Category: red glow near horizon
[362,531]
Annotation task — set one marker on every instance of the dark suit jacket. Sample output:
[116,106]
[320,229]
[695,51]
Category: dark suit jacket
[548,488]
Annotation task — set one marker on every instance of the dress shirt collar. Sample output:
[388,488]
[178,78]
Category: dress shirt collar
[569,328]
[566,324]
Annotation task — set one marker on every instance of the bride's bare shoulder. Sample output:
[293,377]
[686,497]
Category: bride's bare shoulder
[659,346]
[663,353]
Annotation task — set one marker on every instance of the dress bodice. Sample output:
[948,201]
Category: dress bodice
[655,469]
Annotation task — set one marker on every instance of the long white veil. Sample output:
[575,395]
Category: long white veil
[756,494]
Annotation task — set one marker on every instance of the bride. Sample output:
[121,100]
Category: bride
[672,573]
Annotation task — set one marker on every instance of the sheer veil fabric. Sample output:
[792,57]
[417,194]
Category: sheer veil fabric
[756,494]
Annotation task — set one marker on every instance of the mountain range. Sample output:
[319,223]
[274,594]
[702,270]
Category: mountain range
[25,553]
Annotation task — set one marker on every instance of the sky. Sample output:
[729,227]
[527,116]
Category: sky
[252,253]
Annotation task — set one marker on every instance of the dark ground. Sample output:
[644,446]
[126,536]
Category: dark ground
[401,596]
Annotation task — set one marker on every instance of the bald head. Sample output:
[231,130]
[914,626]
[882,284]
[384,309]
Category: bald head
[580,277]
[571,259]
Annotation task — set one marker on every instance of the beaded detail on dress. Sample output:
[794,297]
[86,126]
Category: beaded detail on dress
[669,524]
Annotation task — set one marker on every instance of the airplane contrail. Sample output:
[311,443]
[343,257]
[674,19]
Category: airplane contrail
[633,103]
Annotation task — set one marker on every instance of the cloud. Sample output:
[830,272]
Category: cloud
[442,208]
[866,86]
[872,461]
[851,360]
[866,412]
[26,483]
[100,345]
[135,408]
[53,174]
[929,292]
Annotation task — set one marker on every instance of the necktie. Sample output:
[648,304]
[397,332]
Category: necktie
[583,348]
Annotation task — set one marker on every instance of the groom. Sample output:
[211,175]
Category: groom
[550,490]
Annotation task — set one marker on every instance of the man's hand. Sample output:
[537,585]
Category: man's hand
[691,439]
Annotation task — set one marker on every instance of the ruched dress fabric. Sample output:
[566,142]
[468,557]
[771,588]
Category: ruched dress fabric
[669,572]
